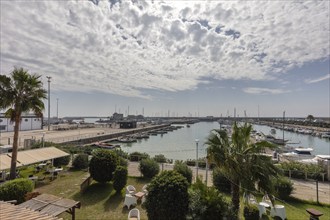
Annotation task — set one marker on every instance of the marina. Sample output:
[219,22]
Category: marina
[181,144]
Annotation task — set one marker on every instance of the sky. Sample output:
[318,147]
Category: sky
[173,58]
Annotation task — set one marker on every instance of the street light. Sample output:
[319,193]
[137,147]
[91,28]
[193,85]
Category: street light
[43,139]
[196,140]
[48,77]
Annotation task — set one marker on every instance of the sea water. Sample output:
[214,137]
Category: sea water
[181,144]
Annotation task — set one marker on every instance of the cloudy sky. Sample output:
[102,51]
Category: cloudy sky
[173,57]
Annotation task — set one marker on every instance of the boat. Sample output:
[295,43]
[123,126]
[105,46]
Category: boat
[299,153]
[318,159]
[105,145]
[127,139]
[274,140]
[273,131]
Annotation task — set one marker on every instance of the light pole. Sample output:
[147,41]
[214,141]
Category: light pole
[57,109]
[206,169]
[43,139]
[196,158]
[48,77]
[283,125]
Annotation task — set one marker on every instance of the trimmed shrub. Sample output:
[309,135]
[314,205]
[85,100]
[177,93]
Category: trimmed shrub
[80,161]
[102,165]
[15,189]
[299,170]
[220,182]
[283,187]
[120,178]
[62,161]
[137,156]
[168,197]
[160,158]
[251,212]
[149,168]
[207,202]
[184,170]
[122,162]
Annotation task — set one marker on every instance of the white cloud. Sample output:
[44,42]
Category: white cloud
[319,79]
[264,91]
[169,46]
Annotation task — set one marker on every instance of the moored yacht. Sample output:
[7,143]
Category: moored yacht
[299,153]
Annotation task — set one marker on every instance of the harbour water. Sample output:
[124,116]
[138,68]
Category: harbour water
[181,145]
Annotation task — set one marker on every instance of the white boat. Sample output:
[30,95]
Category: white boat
[299,153]
[318,159]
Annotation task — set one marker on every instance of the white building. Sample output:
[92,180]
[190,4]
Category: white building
[28,122]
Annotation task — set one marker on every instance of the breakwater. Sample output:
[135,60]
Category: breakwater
[106,137]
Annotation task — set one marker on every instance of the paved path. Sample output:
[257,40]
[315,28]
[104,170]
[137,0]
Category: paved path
[305,190]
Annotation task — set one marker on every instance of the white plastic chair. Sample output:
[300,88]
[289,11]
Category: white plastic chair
[262,210]
[134,214]
[278,210]
[130,200]
[144,188]
[267,200]
[130,190]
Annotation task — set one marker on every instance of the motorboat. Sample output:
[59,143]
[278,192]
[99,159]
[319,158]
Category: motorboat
[318,159]
[299,153]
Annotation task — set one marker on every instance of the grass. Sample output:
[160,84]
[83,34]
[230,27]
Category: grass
[100,201]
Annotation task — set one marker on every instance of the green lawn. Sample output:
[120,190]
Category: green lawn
[100,201]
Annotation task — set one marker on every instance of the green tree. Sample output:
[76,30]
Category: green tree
[207,202]
[120,178]
[19,93]
[149,168]
[240,160]
[184,170]
[102,165]
[168,197]
[310,118]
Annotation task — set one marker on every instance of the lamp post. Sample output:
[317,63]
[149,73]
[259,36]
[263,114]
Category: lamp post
[206,169]
[196,158]
[48,77]
[43,139]
[283,125]
[57,109]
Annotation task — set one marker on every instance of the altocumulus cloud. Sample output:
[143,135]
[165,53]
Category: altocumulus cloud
[126,47]
[264,91]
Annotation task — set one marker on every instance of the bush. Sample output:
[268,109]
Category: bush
[80,161]
[160,158]
[184,170]
[251,212]
[298,170]
[62,161]
[149,168]
[122,162]
[15,189]
[120,178]
[137,156]
[207,203]
[168,197]
[220,182]
[102,165]
[283,187]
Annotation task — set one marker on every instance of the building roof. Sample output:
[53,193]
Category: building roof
[51,205]
[28,157]
[11,211]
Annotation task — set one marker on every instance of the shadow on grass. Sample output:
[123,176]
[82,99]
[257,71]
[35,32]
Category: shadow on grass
[115,203]
[94,194]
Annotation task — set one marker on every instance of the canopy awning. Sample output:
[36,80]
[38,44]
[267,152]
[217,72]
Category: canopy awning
[31,156]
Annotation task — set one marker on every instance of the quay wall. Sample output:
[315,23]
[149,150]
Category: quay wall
[104,137]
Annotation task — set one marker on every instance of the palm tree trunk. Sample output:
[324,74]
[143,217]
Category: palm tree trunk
[235,197]
[15,149]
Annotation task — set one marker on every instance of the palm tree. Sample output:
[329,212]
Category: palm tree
[240,160]
[20,93]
